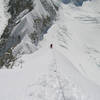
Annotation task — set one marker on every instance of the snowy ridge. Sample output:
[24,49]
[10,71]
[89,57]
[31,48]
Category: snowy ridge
[76,35]
[46,74]
[68,71]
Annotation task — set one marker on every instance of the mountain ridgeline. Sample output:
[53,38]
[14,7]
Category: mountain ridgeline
[30,20]
[76,2]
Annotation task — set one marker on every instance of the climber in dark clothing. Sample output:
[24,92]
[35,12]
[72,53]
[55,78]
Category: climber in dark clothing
[51,45]
[19,38]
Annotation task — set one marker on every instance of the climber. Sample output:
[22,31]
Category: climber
[19,38]
[51,45]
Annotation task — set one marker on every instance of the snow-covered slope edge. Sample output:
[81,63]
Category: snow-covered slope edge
[77,37]
[29,21]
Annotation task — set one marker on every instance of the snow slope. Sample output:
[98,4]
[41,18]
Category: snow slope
[69,71]
[46,74]
[76,35]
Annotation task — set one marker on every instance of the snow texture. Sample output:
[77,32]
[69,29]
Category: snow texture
[68,71]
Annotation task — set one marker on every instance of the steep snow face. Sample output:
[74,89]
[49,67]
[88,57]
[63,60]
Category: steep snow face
[35,23]
[41,9]
[3,16]
[29,19]
[76,35]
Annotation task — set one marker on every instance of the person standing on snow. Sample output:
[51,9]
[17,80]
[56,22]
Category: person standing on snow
[51,46]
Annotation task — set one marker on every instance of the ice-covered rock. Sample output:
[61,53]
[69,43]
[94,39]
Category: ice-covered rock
[30,18]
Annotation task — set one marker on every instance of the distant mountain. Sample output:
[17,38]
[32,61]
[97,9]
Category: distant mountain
[76,2]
